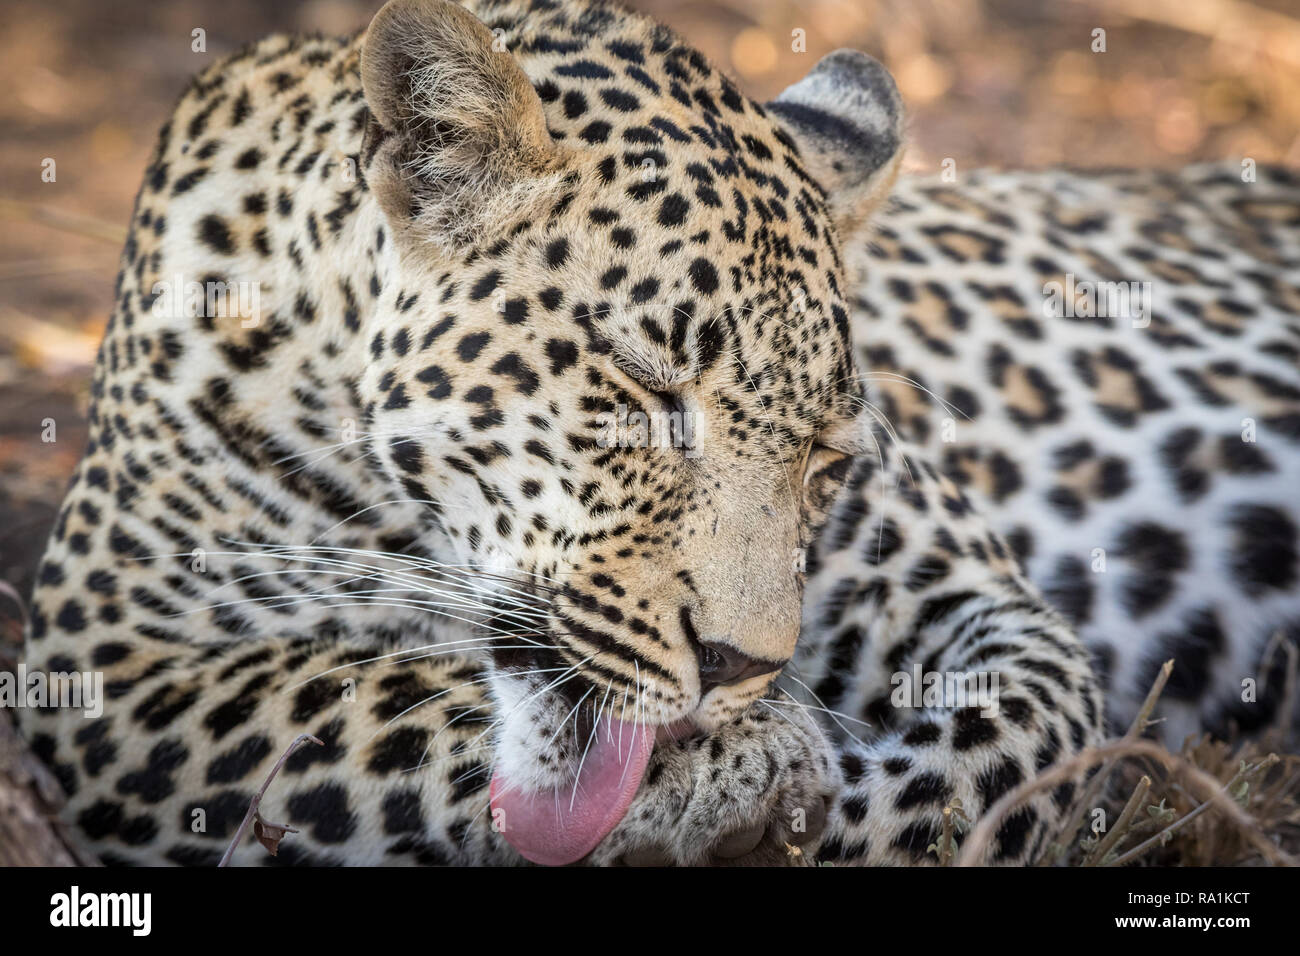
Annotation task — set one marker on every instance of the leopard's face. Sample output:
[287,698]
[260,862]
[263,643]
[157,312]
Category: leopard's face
[612,358]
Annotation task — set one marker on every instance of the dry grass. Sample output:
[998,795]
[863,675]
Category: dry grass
[1211,803]
[1264,784]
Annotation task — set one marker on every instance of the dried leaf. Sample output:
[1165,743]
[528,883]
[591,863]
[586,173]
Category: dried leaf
[270,834]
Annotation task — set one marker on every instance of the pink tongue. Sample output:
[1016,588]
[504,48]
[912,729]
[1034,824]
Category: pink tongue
[555,827]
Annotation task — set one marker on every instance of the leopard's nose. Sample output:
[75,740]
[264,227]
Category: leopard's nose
[721,665]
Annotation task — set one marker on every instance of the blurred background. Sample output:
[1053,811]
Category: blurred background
[1008,83]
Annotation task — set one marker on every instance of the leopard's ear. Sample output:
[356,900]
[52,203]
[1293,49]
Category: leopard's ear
[457,146]
[847,119]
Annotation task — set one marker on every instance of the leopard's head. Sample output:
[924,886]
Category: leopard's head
[615,358]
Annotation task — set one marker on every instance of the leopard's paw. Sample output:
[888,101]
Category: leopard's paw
[755,792]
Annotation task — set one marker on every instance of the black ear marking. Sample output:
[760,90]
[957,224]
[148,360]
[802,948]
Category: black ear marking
[871,149]
[850,101]
[846,116]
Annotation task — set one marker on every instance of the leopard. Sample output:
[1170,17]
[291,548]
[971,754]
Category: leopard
[380,502]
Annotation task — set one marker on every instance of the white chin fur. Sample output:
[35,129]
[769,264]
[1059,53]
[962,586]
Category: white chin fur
[530,754]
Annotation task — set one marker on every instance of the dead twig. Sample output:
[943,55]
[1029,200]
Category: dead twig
[954,821]
[1245,776]
[11,592]
[1108,843]
[1087,798]
[1279,642]
[985,831]
[269,834]
[32,832]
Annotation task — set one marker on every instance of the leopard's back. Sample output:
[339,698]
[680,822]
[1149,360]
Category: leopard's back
[1141,455]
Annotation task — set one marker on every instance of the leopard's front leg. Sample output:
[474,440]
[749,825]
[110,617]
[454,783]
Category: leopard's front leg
[919,623]
[188,735]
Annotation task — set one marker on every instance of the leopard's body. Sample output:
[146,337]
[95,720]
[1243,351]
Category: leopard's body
[400,453]
[1142,466]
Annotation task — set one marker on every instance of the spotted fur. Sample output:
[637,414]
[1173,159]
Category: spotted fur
[457,278]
